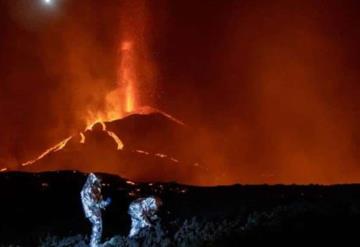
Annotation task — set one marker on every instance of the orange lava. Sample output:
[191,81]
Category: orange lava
[116,139]
[83,139]
[123,99]
[126,75]
[55,148]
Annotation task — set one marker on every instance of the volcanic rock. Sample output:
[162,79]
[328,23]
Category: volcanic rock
[45,210]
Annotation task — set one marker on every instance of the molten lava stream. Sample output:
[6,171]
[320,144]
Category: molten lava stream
[55,148]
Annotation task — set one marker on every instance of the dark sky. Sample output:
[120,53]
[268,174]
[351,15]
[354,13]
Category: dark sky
[272,85]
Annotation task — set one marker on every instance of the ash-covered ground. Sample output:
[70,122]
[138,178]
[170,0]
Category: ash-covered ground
[44,209]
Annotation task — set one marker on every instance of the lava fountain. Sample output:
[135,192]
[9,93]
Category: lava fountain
[122,100]
[134,70]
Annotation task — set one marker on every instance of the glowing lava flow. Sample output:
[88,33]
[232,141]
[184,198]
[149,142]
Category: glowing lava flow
[91,126]
[116,139]
[119,143]
[83,139]
[160,155]
[53,149]
[63,143]
[145,110]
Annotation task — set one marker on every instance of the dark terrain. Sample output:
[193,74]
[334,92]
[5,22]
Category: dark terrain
[44,209]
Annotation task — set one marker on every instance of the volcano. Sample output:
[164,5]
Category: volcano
[141,147]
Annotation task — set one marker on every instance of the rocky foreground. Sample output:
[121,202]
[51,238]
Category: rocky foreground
[44,209]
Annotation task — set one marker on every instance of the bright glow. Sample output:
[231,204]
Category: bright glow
[48,1]
[3,170]
[119,143]
[53,149]
[82,138]
[123,100]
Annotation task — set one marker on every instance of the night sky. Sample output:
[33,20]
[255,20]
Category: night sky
[272,86]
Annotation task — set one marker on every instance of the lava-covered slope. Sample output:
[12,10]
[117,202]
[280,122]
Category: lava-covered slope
[143,147]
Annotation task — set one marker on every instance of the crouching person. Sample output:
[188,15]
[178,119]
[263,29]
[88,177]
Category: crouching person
[93,203]
[143,212]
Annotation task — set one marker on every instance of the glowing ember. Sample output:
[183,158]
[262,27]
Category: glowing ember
[142,152]
[130,182]
[161,155]
[3,170]
[44,184]
[53,149]
[174,160]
